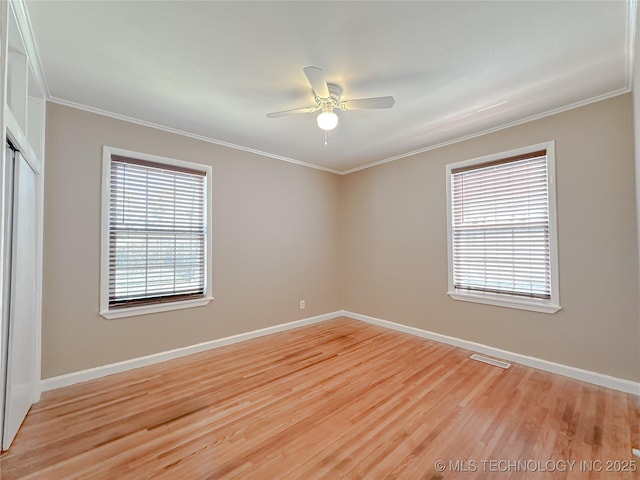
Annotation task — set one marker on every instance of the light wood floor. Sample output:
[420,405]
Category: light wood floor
[339,399]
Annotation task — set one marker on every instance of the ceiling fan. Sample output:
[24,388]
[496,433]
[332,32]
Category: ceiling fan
[327,97]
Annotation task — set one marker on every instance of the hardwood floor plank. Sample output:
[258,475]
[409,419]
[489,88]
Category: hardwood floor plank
[338,399]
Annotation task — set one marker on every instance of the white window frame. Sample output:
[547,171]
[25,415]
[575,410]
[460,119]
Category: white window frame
[121,312]
[549,306]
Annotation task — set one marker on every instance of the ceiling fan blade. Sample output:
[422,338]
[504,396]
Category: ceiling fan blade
[366,103]
[295,111]
[315,76]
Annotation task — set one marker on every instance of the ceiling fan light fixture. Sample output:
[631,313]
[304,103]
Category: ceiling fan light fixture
[327,120]
[327,99]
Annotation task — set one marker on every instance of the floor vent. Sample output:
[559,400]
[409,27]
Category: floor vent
[490,361]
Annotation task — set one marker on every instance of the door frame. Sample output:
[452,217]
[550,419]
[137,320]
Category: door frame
[11,130]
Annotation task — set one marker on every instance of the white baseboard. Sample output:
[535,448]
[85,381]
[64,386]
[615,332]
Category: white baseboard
[97,372]
[595,378]
[600,379]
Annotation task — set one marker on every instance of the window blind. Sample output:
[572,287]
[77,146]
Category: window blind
[157,228]
[500,227]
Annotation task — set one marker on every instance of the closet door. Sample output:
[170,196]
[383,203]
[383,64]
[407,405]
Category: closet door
[21,352]
[7,201]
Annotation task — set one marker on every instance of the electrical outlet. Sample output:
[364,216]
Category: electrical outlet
[302,304]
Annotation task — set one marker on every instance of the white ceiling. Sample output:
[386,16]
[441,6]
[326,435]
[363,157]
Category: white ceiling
[214,69]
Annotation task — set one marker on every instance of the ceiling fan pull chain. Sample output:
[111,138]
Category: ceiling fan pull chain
[326,137]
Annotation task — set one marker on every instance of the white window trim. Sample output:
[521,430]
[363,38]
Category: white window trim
[504,300]
[107,152]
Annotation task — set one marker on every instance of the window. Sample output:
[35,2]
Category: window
[156,248]
[501,230]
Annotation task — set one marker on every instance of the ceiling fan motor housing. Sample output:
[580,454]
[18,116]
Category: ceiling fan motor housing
[331,102]
[327,99]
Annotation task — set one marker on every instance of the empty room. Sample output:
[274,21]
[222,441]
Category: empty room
[319,239]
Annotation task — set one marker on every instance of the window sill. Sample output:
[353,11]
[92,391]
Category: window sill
[530,304]
[157,308]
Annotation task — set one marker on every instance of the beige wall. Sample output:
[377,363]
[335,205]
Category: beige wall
[275,241]
[395,244]
[372,242]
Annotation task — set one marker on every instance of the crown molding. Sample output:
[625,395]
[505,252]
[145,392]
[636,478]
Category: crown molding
[427,148]
[487,131]
[203,138]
